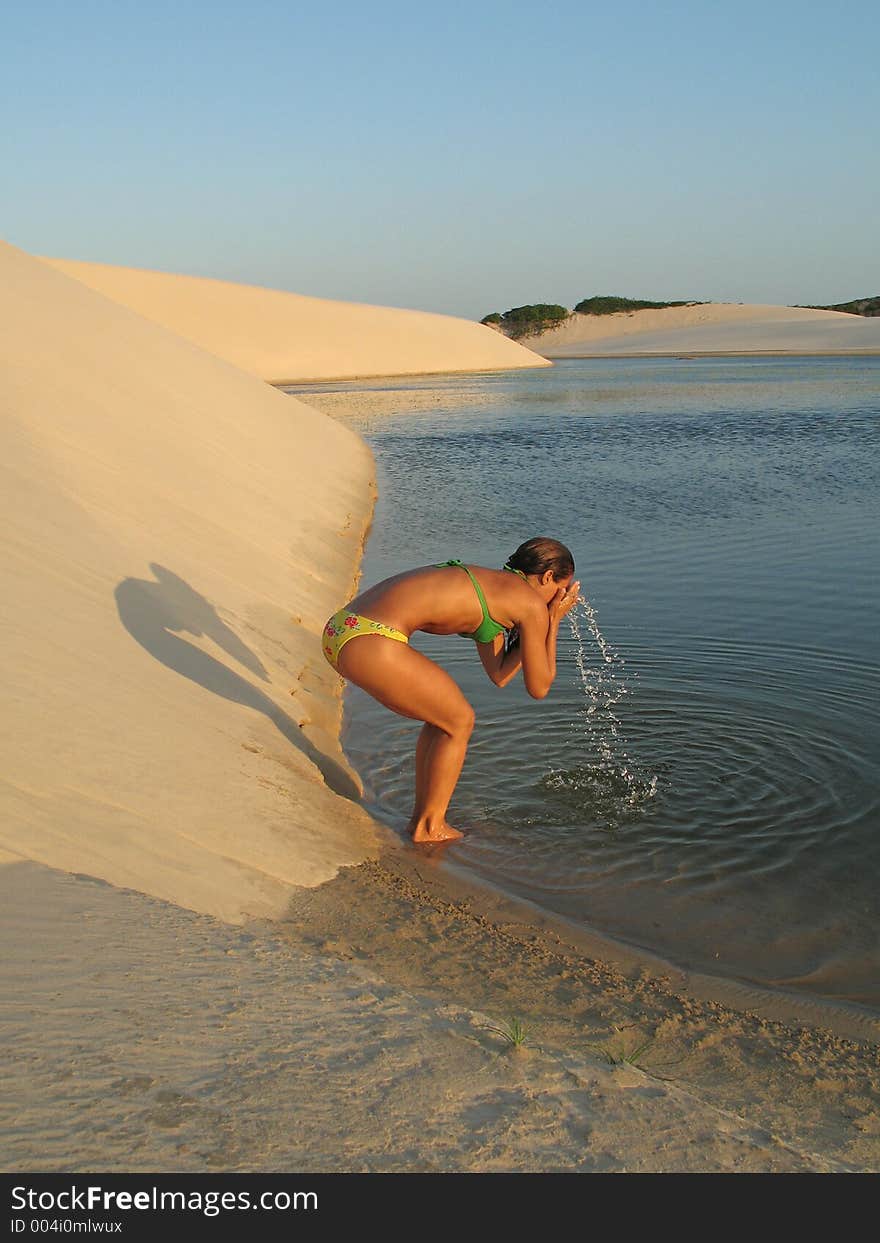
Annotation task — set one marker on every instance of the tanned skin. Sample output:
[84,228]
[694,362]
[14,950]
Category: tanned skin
[442,600]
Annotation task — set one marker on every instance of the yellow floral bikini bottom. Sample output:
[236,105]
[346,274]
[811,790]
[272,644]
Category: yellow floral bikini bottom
[344,625]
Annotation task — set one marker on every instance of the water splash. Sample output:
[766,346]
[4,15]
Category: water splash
[603,683]
[609,785]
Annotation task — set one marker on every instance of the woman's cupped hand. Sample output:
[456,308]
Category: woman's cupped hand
[564,601]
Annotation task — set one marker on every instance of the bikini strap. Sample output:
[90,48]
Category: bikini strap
[514,570]
[487,616]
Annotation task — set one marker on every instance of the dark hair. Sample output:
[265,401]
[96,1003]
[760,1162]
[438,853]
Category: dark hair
[540,554]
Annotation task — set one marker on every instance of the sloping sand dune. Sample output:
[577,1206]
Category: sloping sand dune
[723,328]
[176,532]
[286,337]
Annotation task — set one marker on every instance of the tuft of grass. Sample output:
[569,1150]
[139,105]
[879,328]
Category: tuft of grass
[619,1056]
[512,1031]
[616,1054]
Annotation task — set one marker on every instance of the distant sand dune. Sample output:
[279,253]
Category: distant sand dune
[287,337]
[175,534]
[715,327]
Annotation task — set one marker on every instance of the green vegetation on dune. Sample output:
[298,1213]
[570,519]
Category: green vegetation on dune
[610,304]
[537,317]
[520,321]
[858,306]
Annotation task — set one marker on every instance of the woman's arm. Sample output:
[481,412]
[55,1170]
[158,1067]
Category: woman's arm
[501,662]
[539,630]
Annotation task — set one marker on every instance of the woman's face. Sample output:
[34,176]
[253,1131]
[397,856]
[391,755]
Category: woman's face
[547,586]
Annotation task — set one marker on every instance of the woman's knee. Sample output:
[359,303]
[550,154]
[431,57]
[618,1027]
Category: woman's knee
[461,724]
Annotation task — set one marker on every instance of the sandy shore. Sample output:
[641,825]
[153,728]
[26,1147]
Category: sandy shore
[356,1035]
[212,958]
[714,328]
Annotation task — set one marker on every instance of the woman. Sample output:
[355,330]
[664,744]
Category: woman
[527,600]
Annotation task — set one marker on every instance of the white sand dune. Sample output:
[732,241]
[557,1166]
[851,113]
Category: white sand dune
[722,328]
[176,532]
[286,338]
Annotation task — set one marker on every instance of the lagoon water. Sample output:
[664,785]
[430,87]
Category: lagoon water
[704,778]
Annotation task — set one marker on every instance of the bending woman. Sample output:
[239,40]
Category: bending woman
[513,616]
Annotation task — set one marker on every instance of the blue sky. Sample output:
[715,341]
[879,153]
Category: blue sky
[463,157]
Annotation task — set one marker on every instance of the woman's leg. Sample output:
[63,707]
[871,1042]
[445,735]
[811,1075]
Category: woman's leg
[413,686]
[443,765]
[423,748]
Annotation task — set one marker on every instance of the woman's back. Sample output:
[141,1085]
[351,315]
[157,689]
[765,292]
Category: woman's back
[444,599]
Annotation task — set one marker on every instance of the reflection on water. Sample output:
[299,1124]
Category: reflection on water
[704,778]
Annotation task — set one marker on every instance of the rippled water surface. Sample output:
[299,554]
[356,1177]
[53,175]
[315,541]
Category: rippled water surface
[704,778]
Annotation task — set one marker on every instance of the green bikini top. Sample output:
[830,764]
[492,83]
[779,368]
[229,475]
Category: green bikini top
[488,628]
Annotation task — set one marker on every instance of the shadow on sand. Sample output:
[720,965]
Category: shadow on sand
[154,613]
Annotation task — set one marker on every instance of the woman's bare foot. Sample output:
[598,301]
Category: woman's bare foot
[444,832]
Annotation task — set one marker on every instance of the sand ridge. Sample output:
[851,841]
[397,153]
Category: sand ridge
[286,337]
